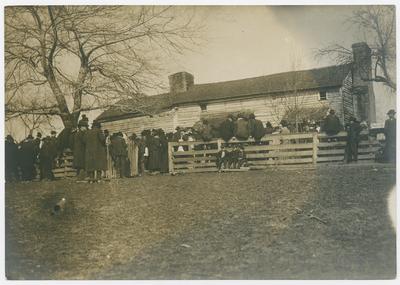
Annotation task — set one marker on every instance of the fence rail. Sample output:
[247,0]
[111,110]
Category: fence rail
[64,166]
[290,149]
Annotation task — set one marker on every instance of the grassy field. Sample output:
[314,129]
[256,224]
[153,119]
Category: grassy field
[325,223]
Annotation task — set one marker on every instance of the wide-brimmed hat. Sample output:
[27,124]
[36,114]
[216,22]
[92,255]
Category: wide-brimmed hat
[391,111]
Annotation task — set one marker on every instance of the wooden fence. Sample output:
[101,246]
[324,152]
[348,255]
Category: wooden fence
[300,148]
[64,167]
[291,149]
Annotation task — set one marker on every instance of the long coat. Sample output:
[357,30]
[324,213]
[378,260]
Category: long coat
[242,130]
[118,147]
[331,125]
[390,138]
[226,129]
[78,148]
[95,150]
[163,154]
[154,146]
[257,130]
[11,159]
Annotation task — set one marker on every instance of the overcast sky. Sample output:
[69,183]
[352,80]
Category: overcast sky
[249,41]
[258,40]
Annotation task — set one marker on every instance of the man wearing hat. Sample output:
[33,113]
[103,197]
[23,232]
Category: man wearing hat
[11,162]
[389,152]
[78,149]
[353,129]
[95,152]
[227,128]
[84,121]
[47,154]
[27,158]
[331,124]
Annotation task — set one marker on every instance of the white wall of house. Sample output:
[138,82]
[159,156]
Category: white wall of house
[266,108]
[164,120]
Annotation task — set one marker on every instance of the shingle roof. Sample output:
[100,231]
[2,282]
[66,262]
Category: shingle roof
[319,78]
[136,107]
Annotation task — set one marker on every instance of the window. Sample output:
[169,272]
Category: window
[322,95]
[203,107]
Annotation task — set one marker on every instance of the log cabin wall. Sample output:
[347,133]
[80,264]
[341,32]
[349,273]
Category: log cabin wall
[349,100]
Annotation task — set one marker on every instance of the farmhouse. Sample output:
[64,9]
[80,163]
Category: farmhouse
[345,88]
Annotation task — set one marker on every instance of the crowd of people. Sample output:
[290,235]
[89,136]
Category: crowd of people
[96,152]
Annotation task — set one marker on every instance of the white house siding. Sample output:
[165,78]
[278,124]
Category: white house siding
[267,108]
[187,115]
[136,125]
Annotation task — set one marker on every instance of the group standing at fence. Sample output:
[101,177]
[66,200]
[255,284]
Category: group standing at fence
[98,154]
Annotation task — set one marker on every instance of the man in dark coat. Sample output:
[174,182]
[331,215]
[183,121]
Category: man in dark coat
[38,142]
[78,150]
[11,163]
[119,153]
[389,152]
[47,155]
[353,129]
[257,130]
[95,152]
[163,152]
[141,148]
[27,158]
[269,129]
[227,128]
[154,145]
[206,131]
[242,130]
[84,121]
[331,124]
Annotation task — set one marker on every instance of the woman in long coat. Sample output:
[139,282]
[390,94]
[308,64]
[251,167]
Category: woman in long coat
[163,152]
[154,146]
[95,151]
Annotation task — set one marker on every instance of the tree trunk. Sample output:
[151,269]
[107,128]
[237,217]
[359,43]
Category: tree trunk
[70,119]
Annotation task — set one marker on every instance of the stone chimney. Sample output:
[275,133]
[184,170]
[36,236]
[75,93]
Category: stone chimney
[362,85]
[180,82]
[362,63]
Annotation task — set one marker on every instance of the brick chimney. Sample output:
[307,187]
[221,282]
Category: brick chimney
[362,86]
[180,82]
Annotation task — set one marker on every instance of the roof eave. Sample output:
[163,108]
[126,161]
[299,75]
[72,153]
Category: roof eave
[255,95]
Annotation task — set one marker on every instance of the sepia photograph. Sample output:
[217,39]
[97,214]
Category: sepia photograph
[199,142]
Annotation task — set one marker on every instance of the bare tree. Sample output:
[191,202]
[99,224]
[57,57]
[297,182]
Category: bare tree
[291,105]
[62,60]
[378,25]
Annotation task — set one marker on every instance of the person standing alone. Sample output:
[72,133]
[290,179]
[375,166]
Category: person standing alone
[353,129]
[389,152]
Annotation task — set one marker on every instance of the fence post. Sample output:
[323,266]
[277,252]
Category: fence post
[170,158]
[315,147]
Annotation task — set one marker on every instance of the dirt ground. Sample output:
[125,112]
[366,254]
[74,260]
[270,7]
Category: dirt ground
[326,223]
